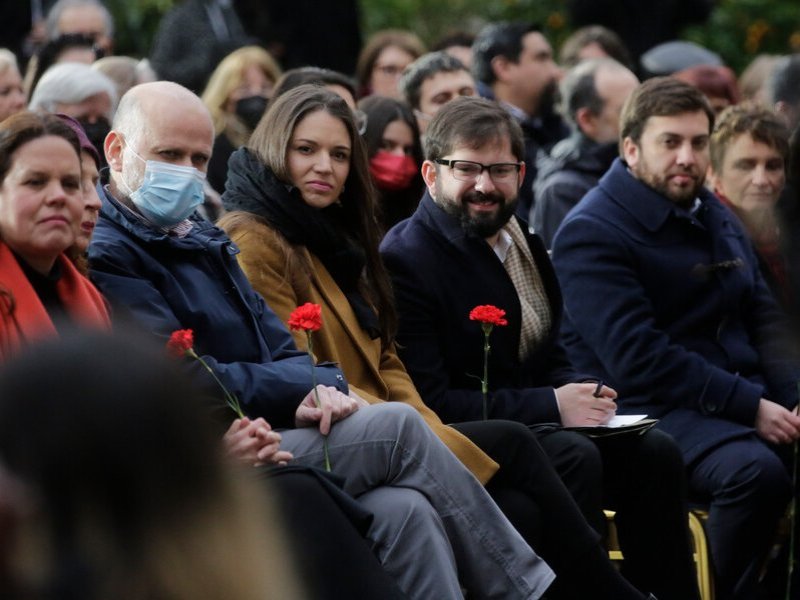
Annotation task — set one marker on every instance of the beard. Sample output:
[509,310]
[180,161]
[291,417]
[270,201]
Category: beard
[682,195]
[481,223]
[547,99]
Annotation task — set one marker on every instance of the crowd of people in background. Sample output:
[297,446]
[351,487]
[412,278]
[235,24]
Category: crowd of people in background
[240,279]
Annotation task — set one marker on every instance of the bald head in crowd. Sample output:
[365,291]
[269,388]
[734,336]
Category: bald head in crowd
[159,121]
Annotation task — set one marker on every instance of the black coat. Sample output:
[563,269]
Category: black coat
[574,166]
[439,275]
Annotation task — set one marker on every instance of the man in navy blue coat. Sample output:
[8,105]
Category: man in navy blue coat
[464,247]
[664,299]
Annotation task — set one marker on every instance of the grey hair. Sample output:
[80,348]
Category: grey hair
[129,120]
[578,89]
[54,15]
[125,71]
[7,60]
[70,83]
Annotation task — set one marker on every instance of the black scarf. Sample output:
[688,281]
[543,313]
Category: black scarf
[252,187]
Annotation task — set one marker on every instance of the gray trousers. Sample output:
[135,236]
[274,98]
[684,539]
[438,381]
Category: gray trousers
[434,522]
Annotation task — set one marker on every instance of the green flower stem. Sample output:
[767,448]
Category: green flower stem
[316,396]
[231,400]
[487,330]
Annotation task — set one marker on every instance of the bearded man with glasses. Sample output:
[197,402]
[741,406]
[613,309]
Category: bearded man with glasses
[463,247]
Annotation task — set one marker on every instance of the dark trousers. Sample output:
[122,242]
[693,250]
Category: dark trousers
[747,488]
[642,478]
[534,499]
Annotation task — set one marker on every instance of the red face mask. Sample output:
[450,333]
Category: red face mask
[392,172]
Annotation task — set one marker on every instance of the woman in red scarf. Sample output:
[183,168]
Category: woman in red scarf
[41,205]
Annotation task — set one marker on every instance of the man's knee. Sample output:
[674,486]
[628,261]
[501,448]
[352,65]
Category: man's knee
[767,476]
[658,452]
[402,515]
[750,472]
[573,455]
[389,416]
[397,422]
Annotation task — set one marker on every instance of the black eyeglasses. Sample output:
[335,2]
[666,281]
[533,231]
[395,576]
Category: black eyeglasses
[467,170]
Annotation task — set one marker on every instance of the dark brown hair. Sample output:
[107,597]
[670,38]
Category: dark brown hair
[660,97]
[380,112]
[473,122]
[316,75]
[610,42]
[23,127]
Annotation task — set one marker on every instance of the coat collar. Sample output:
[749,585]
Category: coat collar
[434,216]
[577,153]
[650,208]
[202,233]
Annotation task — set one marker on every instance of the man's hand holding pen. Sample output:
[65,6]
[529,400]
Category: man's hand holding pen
[586,404]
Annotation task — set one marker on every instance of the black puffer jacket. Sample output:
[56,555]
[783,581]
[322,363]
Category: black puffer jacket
[573,168]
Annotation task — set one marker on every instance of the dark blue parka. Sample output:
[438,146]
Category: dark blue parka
[168,283]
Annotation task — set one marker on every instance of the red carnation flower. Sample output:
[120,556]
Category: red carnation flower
[488,316]
[486,313]
[307,317]
[180,342]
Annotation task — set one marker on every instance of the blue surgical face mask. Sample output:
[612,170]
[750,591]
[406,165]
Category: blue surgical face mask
[169,193]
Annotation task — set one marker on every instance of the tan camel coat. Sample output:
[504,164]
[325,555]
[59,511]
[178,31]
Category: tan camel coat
[374,375]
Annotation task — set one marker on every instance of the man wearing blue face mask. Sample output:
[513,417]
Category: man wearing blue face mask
[168,193]
[434,526]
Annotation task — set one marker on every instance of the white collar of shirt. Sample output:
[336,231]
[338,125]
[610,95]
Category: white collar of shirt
[502,245]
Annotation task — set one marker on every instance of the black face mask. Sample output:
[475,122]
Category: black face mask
[251,109]
[97,132]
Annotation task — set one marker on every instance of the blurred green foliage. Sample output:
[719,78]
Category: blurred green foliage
[738,29]
[136,24]
[432,20]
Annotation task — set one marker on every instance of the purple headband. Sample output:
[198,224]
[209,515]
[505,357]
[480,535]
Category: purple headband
[82,137]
